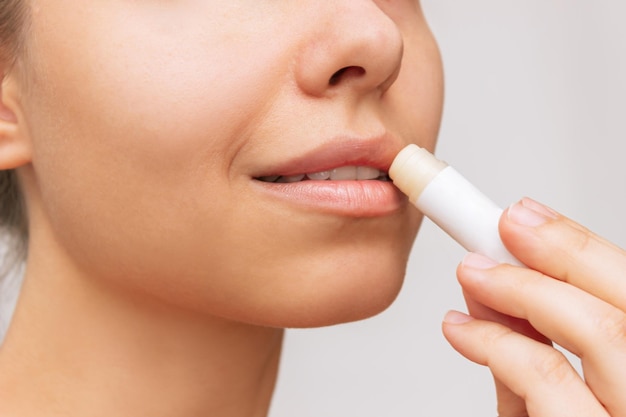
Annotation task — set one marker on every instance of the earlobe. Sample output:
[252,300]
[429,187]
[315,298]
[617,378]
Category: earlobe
[15,149]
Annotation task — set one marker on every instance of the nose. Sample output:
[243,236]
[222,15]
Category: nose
[354,45]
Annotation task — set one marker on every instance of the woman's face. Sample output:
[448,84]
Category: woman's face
[157,125]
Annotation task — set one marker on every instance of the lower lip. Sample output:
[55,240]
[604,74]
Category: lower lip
[369,198]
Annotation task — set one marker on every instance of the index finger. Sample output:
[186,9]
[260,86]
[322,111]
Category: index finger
[558,247]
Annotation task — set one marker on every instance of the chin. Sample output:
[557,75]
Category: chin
[332,276]
[345,288]
[346,303]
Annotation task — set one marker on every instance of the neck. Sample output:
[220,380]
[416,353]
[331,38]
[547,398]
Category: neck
[76,347]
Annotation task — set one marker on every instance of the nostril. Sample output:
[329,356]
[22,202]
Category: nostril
[352,71]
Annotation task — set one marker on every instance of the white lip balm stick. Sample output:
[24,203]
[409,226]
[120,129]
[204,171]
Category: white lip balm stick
[451,202]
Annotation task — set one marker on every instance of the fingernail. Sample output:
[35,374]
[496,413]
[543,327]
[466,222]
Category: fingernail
[476,261]
[456,317]
[527,212]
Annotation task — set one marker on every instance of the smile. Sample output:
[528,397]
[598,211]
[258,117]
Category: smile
[345,173]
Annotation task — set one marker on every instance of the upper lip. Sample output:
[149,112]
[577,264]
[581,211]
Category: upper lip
[377,152]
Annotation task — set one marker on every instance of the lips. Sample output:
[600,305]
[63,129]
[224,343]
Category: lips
[343,177]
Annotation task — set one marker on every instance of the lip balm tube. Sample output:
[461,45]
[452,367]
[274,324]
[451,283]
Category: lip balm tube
[451,202]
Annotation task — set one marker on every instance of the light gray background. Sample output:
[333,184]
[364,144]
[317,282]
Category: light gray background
[535,105]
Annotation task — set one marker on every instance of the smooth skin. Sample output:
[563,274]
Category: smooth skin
[159,274]
[572,292]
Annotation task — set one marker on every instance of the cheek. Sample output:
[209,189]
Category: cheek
[131,136]
[154,96]
[418,92]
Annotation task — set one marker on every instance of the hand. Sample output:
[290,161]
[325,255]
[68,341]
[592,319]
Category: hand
[573,292]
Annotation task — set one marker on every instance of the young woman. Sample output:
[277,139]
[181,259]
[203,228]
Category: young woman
[193,176]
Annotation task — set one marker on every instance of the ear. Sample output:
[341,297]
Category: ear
[15,146]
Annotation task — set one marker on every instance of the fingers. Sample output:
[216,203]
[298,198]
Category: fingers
[566,314]
[585,325]
[574,292]
[531,370]
[562,249]
[522,326]
[588,317]
[509,403]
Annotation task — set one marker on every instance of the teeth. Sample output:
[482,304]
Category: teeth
[347,173]
[367,173]
[323,175]
[343,174]
[269,178]
[291,178]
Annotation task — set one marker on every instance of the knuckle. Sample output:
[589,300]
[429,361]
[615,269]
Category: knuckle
[574,249]
[552,367]
[611,327]
[582,242]
[496,336]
